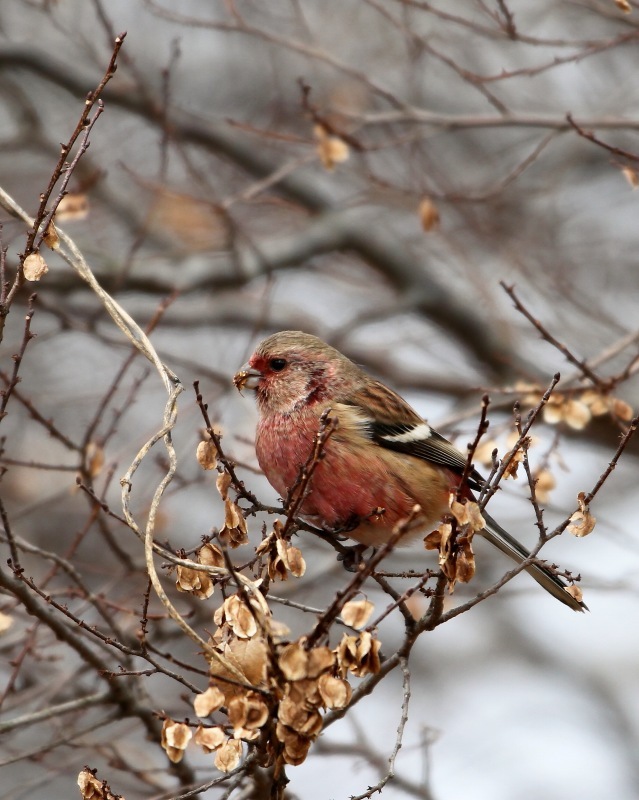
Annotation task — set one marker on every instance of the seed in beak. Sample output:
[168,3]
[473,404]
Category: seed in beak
[247,378]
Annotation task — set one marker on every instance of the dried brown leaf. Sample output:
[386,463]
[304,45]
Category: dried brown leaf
[234,532]
[576,414]
[465,562]
[51,238]
[295,746]
[34,267]
[356,613]
[248,712]
[194,582]
[278,629]
[434,539]
[320,659]
[296,563]
[91,788]
[5,622]
[276,567]
[209,701]
[299,717]
[210,739]
[575,591]
[597,403]
[223,482]
[513,465]
[582,522]
[456,557]
[240,617]
[304,693]
[228,756]
[73,206]
[206,454]
[359,654]
[467,513]
[368,654]
[428,215]
[249,656]
[175,738]
[210,555]
[552,412]
[293,661]
[331,149]
[629,173]
[285,559]
[190,222]
[336,693]
[246,734]
[621,409]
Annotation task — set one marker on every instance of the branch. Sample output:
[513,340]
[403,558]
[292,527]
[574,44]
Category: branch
[581,364]
[334,228]
[25,720]
[399,738]
[590,136]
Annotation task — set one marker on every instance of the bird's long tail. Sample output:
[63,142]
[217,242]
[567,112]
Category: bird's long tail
[508,545]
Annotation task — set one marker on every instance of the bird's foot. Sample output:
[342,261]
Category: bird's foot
[352,557]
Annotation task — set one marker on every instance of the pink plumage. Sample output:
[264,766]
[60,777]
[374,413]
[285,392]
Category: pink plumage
[381,460]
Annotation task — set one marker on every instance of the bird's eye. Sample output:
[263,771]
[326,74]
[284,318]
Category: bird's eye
[277,364]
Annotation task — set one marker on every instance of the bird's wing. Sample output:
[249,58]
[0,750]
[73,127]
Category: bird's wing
[392,423]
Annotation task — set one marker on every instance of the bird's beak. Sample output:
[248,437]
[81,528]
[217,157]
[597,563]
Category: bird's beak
[247,378]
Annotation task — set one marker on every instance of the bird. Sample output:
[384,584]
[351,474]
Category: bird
[381,460]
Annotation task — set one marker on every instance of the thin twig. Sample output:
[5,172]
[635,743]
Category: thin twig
[590,136]
[332,612]
[581,364]
[406,694]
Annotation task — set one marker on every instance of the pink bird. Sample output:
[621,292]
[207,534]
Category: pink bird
[382,457]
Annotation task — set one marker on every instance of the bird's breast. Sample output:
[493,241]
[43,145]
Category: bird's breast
[283,444]
[352,481]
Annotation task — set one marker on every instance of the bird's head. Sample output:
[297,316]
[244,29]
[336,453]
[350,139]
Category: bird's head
[292,369]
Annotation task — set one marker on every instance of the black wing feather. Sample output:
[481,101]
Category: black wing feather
[434,448]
